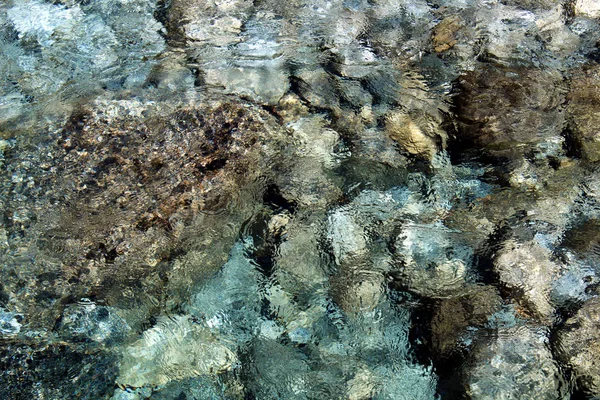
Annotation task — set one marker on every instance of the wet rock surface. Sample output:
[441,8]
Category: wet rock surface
[514,363]
[55,371]
[578,346]
[582,113]
[502,110]
[119,195]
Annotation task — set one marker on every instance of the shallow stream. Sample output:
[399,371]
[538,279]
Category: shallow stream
[309,199]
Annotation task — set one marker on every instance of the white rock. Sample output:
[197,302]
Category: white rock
[517,364]
[528,267]
[174,349]
[588,8]
[347,237]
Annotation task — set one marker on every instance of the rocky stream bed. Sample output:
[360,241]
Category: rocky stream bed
[309,199]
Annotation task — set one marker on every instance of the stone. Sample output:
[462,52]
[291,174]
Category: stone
[229,304]
[88,321]
[454,316]
[514,363]
[428,263]
[583,113]
[347,237]
[175,349]
[506,111]
[212,23]
[416,133]
[528,269]
[361,292]
[272,378]
[354,61]
[361,386]
[266,84]
[317,87]
[299,266]
[587,8]
[33,369]
[578,346]
[444,34]
[121,192]
[308,180]
[584,240]
[10,323]
[110,48]
[353,93]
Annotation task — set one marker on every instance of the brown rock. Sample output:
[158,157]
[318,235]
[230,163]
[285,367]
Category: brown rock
[506,111]
[444,35]
[121,194]
[579,346]
[583,111]
[417,133]
[453,315]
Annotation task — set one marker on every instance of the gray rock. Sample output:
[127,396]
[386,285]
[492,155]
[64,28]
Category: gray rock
[430,262]
[528,269]
[353,93]
[175,349]
[317,87]
[347,236]
[514,363]
[579,346]
[229,304]
[10,323]
[89,321]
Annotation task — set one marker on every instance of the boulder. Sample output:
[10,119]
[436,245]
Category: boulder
[429,263]
[416,133]
[583,113]
[528,270]
[579,346]
[514,363]
[175,349]
[115,192]
[507,111]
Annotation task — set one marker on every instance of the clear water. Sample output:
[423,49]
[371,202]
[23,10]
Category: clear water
[232,199]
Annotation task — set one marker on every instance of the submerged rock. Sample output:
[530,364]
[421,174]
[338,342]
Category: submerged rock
[55,371]
[454,316]
[117,193]
[583,113]
[444,35]
[528,269]
[88,321]
[10,323]
[506,111]
[429,262]
[175,349]
[514,363]
[347,237]
[417,134]
[579,346]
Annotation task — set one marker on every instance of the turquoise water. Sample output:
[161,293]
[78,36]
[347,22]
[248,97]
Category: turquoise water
[232,199]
